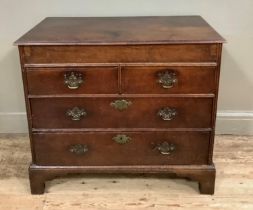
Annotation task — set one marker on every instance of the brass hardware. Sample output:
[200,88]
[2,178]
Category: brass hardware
[76,113]
[166,148]
[121,139]
[167,79]
[73,80]
[167,113]
[78,149]
[121,104]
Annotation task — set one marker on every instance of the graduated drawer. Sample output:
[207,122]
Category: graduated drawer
[130,148]
[121,53]
[112,112]
[167,80]
[74,80]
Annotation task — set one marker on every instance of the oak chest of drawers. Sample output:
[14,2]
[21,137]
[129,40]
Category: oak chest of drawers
[123,95]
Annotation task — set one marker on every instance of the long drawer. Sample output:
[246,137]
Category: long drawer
[100,112]
[121,54]
[112,148]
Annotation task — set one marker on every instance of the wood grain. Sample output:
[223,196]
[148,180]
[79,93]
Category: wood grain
[234,184]
[188,44]
[190,80]
[120,54]
[51,80]
[143,113]
[118,30]
[54,149]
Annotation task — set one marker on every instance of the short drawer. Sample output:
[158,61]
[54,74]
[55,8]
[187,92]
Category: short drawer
[113,148]
[121,53]
[74,80]
[168,80]
[101,112]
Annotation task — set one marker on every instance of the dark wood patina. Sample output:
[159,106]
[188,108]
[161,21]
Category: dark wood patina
[121,95]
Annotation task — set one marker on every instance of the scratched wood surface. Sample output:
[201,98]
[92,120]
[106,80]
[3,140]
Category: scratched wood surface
[234,185]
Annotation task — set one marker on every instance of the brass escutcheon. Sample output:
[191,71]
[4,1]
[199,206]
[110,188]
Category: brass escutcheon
[121,139]
[121,104]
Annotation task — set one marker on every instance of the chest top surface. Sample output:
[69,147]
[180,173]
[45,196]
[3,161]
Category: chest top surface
[120,31]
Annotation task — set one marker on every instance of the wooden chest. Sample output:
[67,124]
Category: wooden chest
[121,95]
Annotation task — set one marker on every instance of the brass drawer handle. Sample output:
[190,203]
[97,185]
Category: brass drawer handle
[78,149]
[167,113]
[167,79]
[121,104]
[122,139]
[76,113]
[166,148]
[73,79]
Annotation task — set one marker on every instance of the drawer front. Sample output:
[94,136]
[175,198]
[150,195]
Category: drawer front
[168,80]
[72,80]
[133,148]
[118,112]
[123,54]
